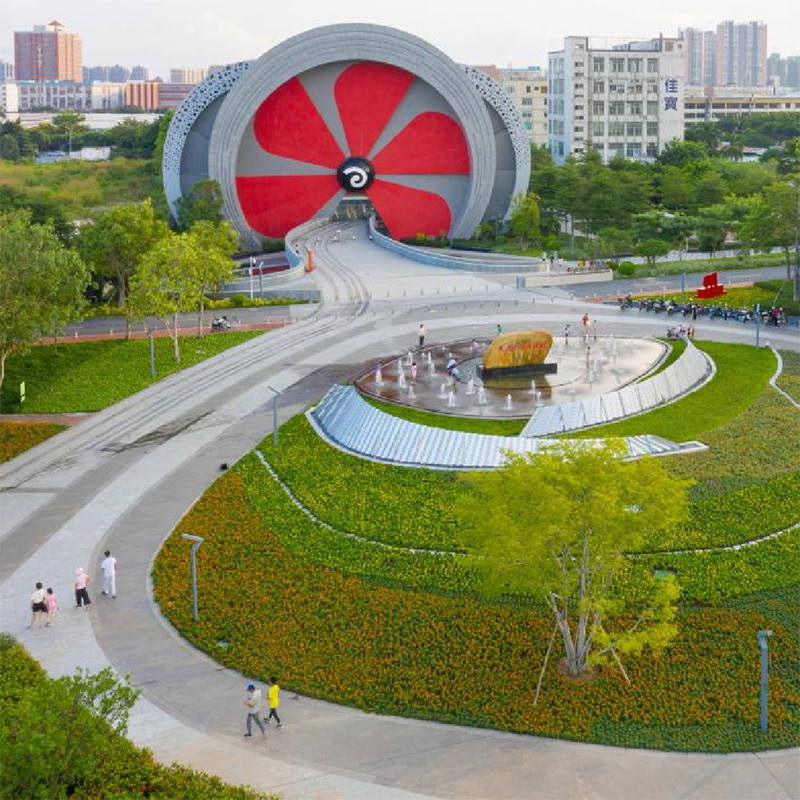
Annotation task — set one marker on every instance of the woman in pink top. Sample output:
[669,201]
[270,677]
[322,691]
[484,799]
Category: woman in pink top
[52,607]
[81,593]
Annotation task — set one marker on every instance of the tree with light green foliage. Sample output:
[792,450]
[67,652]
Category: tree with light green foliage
[115,243]
[217,242]
[525,218]
[557,526]
[168,281]
[42,283]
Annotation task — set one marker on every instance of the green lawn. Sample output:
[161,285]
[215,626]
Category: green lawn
[89,376]
[742,374]
[789,379]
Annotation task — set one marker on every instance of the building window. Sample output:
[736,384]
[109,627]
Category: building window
[634,65]
[616,87]
[528,89]
[598,87]
[598,107]
[634,129]
[598,64]
[616,128]
[510,89]
[652,108]
[635,108]
[618,65]
[633,150]
[652,87]
[652,150]
[652,129]
[635,88]
[652,65]
[527,101]
[598,128]
[617,149]
[616,108]
[528,126]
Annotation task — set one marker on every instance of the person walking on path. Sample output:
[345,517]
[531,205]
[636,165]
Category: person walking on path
[52,607]
[273,700]
[253,702]
[423,332]
[38,607]
[81,592]
[109,566]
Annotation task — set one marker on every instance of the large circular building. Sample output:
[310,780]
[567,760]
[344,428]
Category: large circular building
[356,112]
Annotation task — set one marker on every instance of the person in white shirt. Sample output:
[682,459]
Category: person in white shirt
[253,702]
[109,566]
[38,607]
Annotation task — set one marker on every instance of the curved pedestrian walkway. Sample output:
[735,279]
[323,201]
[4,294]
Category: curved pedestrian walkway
[129,500]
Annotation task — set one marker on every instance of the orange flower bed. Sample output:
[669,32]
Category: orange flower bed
[460,658]
[17,437]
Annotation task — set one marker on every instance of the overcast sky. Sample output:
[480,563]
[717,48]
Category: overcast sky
[169,33]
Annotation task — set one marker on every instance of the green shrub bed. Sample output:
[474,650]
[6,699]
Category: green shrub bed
[55,747]
[459,658]
[17,437]
[789,379]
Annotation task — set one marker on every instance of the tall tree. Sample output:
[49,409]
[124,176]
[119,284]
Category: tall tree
[558,525]
[217,243]
[168,281]
[116,241]
[42,283]
[203,202]
[525,219]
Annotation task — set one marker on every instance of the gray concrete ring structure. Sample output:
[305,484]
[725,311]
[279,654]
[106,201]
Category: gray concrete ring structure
[357,41]
[195,110]
[513,130]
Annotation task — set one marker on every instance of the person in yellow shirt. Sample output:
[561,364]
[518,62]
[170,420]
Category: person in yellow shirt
[273,701]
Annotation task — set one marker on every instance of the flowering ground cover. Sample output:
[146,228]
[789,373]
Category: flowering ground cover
[368,615]
[462,658]
[17,437]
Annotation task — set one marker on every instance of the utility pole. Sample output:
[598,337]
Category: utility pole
[198,540]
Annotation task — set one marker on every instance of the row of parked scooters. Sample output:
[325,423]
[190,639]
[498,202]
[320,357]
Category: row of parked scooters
[772,316]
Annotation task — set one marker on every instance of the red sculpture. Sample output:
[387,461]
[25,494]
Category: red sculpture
[710,287]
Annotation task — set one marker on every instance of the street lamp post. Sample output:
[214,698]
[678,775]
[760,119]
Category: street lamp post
[758,321]
[198,540]
[762,645]
[276,395]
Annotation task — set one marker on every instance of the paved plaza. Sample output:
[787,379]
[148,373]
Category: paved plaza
[122,479]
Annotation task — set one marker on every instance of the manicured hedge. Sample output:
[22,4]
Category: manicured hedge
[101,764]
[17,437]
[463,659]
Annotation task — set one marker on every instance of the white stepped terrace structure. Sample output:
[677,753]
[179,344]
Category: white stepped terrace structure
[689,372]
[347,421]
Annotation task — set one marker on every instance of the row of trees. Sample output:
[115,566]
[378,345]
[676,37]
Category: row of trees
[130,138]
[153,270]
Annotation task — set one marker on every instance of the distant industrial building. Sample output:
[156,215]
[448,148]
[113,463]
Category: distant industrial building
[171,95]
[623,99]
[142,94]
[48,53]
[713,103]
[56,95]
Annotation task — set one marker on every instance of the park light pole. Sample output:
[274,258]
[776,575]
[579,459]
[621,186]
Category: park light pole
[762,645]
[758,321]
[275,396]
[198,540]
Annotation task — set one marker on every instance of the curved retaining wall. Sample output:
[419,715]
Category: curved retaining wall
[347,421]
[688,373]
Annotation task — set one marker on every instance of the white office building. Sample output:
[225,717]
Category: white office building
[623,99]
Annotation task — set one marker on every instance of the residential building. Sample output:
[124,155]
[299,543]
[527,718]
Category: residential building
[95,74]
[6,71]
[142,94]
[48,53]
[713,103]
[709,58]
[107,95]
[741,54]
[693,55]
[188,75]
[9,97]
[56,95]
[171,95]
[783,71]
[623,99]
[793,72]
[139,73]
[527,88]
[119,74]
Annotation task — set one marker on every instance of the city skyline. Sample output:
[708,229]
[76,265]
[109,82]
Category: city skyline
[203,33]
